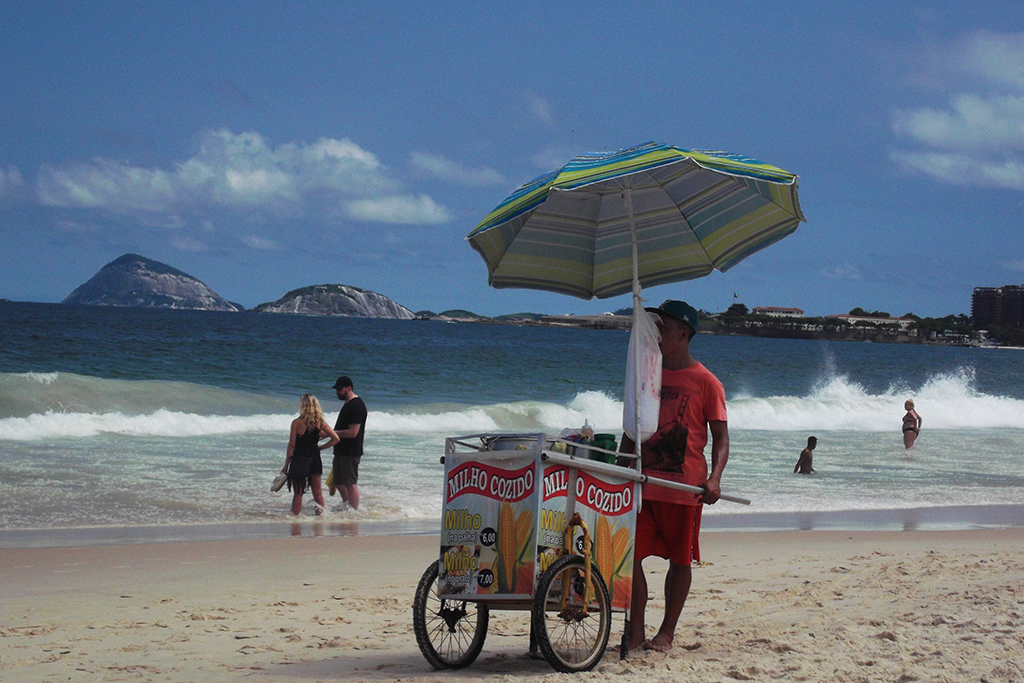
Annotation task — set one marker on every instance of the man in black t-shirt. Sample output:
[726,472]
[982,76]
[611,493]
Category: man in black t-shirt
[350,427]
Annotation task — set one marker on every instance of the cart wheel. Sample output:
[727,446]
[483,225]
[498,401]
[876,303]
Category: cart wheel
[450,633]
[571,639]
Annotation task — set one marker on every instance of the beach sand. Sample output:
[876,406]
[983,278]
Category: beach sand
[790,606]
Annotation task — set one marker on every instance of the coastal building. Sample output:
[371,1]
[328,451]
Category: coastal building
[777,312]
[997,306]
[903,323]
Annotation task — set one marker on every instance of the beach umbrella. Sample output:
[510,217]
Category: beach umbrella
[649,215]
[612,222]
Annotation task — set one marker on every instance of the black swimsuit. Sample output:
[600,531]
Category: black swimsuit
[305,461]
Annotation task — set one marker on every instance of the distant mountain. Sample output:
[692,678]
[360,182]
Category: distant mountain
[460,314]
[134,280]
[337,300]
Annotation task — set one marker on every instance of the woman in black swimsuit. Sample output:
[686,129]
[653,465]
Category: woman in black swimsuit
[911,424]
[302,461]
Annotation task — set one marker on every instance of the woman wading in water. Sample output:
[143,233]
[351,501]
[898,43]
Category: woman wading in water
[911,424]
[302,461]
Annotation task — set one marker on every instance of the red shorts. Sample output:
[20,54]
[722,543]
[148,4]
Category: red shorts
[668,530]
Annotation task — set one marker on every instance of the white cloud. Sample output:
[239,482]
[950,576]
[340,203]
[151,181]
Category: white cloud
[970,123]
[842,271]
[997,57]
[404,209]
[1017,266]
[976,137]
[189,244]
[260,243]
[106,183]
[240,172]
[964,169]
[446,169]
[539,108]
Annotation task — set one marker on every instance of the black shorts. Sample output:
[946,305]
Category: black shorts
[346,470]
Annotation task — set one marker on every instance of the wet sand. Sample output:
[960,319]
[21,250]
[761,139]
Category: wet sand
[799,606]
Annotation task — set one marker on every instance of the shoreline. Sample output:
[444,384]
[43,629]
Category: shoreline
[950,518]
[787,605]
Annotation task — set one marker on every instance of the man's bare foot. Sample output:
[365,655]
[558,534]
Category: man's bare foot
[659,643]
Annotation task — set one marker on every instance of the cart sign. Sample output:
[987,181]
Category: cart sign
[606,504]
[487,532]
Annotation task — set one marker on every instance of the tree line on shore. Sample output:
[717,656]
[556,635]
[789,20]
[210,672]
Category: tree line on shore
[954,326]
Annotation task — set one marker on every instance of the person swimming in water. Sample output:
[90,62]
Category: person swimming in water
[911,424]
[803,463]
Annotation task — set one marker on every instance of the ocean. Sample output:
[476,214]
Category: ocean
[131,425]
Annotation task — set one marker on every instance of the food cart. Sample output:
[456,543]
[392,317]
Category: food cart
[536,523]
[512,506]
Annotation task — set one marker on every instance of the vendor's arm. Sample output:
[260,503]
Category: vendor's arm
[326,431]
[719,458]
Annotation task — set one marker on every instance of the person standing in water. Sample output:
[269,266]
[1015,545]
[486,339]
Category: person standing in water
[911,424]
[348,452]
[302,461]
[803,463]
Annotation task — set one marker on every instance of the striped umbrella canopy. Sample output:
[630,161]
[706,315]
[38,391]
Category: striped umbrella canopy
[607,223]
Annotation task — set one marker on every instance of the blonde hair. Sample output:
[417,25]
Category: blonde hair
[909,402]
[310,411]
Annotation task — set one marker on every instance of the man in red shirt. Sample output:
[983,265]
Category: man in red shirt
[668,524]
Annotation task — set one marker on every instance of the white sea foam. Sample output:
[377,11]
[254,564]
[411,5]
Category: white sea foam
[42,377]
[161,423]
[947,401]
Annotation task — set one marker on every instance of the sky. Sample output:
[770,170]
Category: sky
[265,146]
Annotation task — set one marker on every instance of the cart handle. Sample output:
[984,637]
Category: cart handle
[632,475]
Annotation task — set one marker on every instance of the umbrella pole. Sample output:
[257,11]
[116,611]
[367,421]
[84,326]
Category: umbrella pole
[627,196]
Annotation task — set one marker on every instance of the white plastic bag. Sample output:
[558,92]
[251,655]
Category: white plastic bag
[644,354]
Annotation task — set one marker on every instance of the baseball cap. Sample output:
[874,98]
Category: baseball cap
[343,381]
[680,310]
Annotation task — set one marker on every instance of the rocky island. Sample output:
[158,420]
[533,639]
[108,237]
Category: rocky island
[134,280]
[340,300]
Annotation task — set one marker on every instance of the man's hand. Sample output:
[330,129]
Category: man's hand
[712,491]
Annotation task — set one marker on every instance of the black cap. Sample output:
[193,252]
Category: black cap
[342,382]
[680,310]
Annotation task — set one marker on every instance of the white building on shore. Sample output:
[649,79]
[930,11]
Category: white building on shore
[903,323]
[777,312]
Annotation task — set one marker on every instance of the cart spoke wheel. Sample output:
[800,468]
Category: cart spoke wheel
[572,633]
[450,633]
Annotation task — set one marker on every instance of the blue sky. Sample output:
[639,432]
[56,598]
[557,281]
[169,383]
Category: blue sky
[265,146]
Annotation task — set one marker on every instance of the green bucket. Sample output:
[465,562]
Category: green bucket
[607,442]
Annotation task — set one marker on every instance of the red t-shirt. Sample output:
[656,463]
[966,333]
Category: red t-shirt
[690,398]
